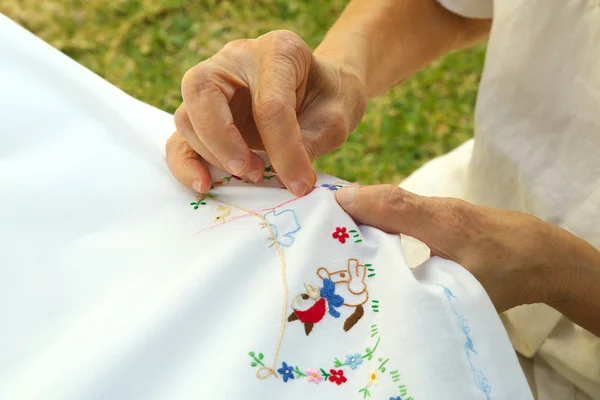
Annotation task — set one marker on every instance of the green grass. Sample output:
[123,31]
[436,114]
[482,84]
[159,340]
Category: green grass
[144,47]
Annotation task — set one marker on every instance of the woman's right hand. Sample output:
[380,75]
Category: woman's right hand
[271,93]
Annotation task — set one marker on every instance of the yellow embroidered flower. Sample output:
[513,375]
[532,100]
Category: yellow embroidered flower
[373,376]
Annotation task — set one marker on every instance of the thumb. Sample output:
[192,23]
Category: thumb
[394,210]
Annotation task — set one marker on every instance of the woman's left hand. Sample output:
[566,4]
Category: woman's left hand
[514,255]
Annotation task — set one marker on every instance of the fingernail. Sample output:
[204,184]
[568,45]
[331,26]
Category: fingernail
[236,166]
[254,175]
[298,188]
[197,186]
[346,196]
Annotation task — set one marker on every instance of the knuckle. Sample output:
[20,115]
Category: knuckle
[197,79]
[290,47]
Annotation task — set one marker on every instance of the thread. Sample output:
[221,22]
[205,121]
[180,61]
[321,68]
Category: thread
[265,372]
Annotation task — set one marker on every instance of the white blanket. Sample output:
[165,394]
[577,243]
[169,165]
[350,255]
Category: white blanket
[117,283]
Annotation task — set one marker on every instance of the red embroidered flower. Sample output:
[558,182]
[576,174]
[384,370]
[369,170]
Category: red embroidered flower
[337,377]
[340,234]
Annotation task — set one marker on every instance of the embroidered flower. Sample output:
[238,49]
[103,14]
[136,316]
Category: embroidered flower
[314,375]
[373,376]
[396,398]
[337,377]
[353,360]
[333,300]
[286,371]
[340,234]
[333,188]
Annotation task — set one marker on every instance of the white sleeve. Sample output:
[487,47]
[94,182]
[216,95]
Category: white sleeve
[470,8]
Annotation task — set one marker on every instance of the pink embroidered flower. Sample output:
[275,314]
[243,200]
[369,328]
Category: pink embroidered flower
[340,234]
[314,375]
[337,377]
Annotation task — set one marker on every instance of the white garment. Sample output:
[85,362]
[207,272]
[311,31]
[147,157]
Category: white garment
[109,290]
[537,131]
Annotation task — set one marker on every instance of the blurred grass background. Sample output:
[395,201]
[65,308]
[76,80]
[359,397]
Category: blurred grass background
[145,46]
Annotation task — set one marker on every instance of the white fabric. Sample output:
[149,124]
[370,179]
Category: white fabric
[536,150]
[109,290]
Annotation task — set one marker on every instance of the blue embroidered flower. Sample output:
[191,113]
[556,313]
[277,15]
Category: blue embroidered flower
[333,300]
[330,187]
[286,371]
[396,398]
[353,360]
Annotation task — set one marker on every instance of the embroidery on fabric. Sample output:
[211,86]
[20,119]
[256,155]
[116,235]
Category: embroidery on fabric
[285,224]
[479,377]
[375,305]
[337,373]
[222,214]
[201,199]
[371,270]
[311,306]
[333,188]
[340,234]
[355,236]
[257,359]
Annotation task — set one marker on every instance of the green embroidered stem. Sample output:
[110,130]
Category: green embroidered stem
[382,365]
[369,353]
[298,372]
[256,360]
[365,392]
[325,374]
[337,363]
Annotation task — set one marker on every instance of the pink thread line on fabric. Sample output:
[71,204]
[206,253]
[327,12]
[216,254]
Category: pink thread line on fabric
[249,213]
[264,209]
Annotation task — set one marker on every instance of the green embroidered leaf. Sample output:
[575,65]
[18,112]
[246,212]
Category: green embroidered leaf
[375,301]
[368,265]
[371,275]
[382,370]
[375,310]
[251,354]
[298,372]
[253,364]
[325,374]
[358,241]
[203,203]
[260,356]
[352,231]
[394,372]
[337,363]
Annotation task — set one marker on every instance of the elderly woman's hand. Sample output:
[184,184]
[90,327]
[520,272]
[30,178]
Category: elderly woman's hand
[518,258]
[271,93]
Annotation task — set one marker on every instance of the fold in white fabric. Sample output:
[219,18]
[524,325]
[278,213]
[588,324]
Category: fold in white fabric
[117,283]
